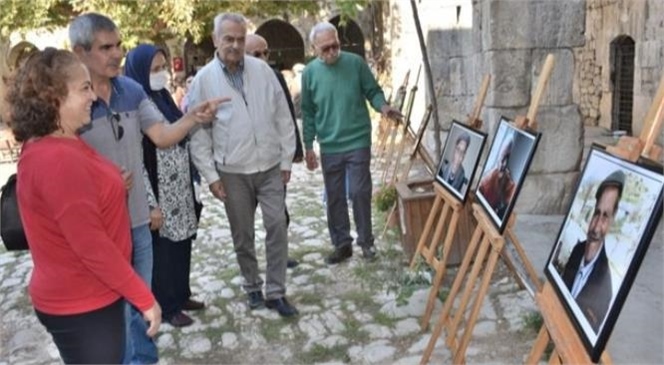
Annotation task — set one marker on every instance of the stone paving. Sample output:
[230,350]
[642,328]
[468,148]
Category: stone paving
[357,312]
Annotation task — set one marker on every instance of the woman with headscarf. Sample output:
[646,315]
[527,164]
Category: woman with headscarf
[174,209]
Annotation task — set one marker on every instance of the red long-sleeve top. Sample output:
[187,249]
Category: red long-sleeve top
[74,211]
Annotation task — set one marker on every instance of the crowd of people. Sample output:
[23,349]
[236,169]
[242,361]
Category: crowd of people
[111,159]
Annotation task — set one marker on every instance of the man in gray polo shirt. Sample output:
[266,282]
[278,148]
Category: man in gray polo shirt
[120,114]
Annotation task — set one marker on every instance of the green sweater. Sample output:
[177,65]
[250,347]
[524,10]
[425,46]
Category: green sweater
[334,109]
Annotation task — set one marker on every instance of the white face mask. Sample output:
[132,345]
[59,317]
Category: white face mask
[158,80]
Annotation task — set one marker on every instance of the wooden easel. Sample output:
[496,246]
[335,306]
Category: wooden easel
[405,134]
[558,327]
[485,241]
[418,150]
[444,204]
[386,124]
[387,158]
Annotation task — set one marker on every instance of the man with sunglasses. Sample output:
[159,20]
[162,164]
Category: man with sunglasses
[335,88]
[120,116]
[256,46]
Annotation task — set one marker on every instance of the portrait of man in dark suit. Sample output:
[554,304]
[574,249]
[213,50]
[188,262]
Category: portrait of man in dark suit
[587,274]
[453,172]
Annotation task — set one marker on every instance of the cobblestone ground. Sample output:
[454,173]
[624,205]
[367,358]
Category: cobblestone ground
[356,312]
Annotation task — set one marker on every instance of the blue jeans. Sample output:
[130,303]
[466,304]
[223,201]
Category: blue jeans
[354,165]
[139,348]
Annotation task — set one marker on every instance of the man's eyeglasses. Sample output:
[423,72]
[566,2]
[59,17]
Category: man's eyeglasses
[331,47]
[261,54]
[114,119]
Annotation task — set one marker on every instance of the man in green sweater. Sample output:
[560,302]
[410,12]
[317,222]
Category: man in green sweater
[335,88]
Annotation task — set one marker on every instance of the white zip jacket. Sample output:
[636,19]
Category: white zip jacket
[251,133]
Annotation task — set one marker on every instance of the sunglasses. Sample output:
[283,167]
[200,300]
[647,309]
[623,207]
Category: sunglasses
[114,119]
[331,47]
[259,54]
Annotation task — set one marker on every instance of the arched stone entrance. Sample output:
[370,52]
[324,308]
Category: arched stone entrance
[622,81]
[350,36]
[285,43]
[197,55]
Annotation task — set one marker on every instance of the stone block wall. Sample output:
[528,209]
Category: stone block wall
[508,40]
[643,21]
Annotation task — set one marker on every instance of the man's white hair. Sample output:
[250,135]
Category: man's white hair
[321,28]
[234,17]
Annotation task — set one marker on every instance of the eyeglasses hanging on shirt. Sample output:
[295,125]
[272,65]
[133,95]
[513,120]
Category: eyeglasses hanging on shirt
[115,119]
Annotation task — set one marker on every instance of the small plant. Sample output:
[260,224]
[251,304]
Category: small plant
[385,198]
[532,321]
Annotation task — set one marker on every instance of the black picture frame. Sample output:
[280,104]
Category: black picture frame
[497,196]
[593,309]
[458,183]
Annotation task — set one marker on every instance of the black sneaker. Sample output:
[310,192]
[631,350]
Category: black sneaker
[255,299]
[369,253]
[291,263]
[282,306]
[340,254]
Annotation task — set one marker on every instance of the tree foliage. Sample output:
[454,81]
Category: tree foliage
[150,20]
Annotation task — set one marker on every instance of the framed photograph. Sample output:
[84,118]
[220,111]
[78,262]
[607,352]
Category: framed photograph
[511,153]
[603,239]
[459,159]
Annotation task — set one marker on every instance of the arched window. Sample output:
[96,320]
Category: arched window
[350,36]
[622,80]
[284,41]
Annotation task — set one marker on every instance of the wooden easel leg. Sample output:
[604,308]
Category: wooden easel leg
[468,291]
[433,294]
[441,267]
[427,230]
[539,346]
[460,355]
[384,138]
[444,314]
[555,358]
[393,210]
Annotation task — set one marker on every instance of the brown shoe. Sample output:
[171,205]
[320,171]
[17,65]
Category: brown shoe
[192,305]
[180,320]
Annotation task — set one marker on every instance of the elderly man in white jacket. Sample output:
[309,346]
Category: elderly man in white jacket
[245,155]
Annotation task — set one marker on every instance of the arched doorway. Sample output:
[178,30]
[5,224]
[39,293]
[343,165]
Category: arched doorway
[350,36]
[622,80]
[197,55]
[285,43]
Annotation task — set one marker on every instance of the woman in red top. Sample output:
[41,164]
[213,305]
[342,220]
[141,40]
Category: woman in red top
[74,211]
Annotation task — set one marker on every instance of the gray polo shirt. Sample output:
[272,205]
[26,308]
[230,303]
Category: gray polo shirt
[132,111]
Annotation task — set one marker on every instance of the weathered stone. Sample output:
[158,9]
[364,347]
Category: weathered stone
[229,340]
[510,77]
[376,331]
[560,147]
[375,353]
[546,193]
[515,307]
[533,24]
[406,327]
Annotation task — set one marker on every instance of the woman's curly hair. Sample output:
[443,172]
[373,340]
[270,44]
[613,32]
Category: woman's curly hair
[35,92]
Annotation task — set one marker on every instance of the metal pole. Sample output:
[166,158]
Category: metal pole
[429,78]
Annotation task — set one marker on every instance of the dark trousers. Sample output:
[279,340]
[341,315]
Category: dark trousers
[170,274]
[96,337]
[335,167]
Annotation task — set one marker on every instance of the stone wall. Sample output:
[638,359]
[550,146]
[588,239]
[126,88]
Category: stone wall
[509,40]
[643,21]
